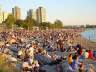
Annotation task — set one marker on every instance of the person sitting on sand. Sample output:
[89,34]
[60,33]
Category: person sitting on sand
[86,54]
[70,60]
[31,51]
[20,52]
[25,66]
[92,68]
[75,64]
[82,67]
[90,54]
[79,51]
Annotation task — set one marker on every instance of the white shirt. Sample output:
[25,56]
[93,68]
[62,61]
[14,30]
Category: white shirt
[20,52]
[25,64]
[31,51]
[86,54]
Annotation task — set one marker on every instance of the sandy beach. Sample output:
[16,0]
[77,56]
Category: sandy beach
[85,43]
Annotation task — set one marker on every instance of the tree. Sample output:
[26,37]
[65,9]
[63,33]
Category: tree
[19,23]
[28,23]
[58,24]
[45,25]
[31,22]
[10,21]
[22,23]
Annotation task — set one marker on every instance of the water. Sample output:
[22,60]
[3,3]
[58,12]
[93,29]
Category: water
[90,34]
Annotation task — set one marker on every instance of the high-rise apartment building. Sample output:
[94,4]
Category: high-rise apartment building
[41,15]
[31,13]
[16,11]
[3,15]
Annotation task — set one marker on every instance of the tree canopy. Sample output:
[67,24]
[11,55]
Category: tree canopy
[58,24]
[10,21]
[29,23]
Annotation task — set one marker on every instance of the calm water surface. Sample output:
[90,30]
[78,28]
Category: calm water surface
[90,34]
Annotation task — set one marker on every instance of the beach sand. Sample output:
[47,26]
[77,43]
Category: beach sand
[85,43]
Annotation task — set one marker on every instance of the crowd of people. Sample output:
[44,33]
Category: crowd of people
[38,48]
[75,64]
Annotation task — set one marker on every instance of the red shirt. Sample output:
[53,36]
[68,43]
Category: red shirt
[90,54]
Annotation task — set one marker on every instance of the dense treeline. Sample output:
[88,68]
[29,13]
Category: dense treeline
[29,23]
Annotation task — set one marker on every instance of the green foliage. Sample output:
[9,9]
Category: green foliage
[90,26]
[58,24]
[44,25]
[22,23]
[10,21]
[29,23]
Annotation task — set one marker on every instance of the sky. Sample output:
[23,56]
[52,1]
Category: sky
[70,12]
